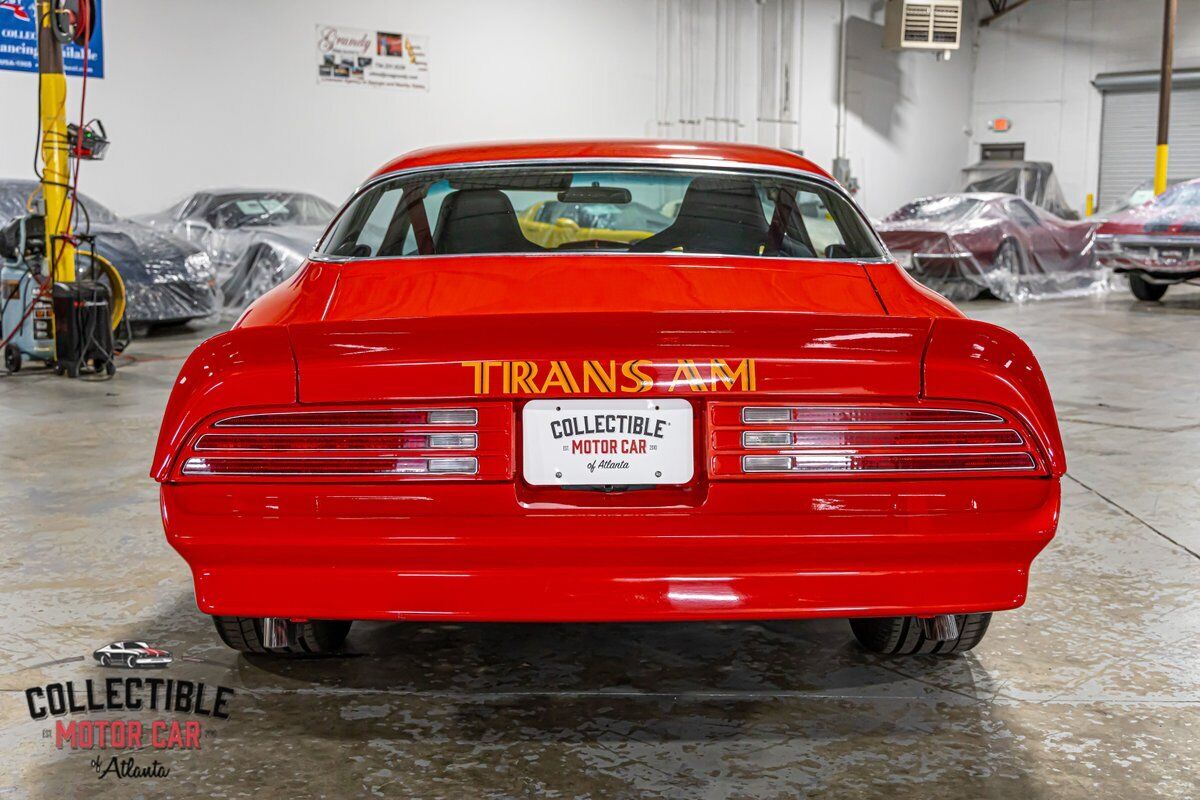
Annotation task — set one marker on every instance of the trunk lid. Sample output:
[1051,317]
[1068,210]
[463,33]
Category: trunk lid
[618,354]
[693,326]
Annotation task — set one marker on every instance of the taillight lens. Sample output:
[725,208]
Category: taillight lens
[781,440]
[374,443]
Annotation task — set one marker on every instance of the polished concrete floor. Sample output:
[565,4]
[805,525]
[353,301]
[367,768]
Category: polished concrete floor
[1092,690]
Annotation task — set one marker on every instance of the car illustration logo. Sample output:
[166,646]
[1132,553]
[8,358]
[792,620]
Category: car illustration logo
[132,655]
[17,10]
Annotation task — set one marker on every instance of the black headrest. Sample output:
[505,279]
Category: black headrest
[730,200]
[479,221]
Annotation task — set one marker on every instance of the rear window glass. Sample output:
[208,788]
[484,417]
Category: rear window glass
[640,210]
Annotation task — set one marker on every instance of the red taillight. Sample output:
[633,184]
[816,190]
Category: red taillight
[779,440]
[402,443]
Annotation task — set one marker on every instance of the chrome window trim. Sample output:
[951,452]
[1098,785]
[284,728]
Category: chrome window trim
[693,165]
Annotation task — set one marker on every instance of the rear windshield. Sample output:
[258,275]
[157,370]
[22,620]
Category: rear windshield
[639,210]
[943,209]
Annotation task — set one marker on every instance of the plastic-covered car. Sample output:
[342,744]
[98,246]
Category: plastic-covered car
[1156,244]
[749,412]
[167,280]
[1138,196]
[1033,180]
[964,244]
[256,238]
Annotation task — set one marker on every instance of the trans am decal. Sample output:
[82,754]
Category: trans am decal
[611,377]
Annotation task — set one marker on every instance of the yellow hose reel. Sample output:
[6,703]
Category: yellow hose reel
[114,281]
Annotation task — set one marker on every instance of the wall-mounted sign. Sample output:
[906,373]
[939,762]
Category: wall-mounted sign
[19,47]
[1000,125]
[372,58]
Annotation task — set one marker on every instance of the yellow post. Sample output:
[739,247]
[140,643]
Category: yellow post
[56,163]
[1170,9]
[1160,169]
[1089,205]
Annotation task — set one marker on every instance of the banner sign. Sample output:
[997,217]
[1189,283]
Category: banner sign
[19,47]
[372,58]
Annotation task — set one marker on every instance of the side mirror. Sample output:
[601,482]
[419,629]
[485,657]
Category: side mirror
[838,250]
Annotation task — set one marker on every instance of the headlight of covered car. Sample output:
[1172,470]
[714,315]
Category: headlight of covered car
[198,266]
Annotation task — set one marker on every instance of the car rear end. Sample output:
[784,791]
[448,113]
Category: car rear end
[746,413]
[782,468]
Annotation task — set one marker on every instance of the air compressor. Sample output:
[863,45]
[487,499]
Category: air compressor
[59,299]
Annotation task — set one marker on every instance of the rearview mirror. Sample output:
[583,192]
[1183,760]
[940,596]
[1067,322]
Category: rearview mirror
[613,195]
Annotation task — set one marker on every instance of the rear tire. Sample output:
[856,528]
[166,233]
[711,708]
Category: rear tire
[901,636]
[12,358]
[313,638]
[1144,290]
[1011,265]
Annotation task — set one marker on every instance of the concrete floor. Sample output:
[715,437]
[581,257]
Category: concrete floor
[1090,691]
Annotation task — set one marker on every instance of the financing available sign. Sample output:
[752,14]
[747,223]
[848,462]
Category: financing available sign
[372,58]
[19,46]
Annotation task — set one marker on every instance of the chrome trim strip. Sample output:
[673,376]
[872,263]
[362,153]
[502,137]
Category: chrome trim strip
[474,468]
[227,422]
[978,416]
[1032,467]
[198,447]
[790,449]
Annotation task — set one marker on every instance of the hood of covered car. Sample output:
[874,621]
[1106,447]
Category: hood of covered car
[141,252]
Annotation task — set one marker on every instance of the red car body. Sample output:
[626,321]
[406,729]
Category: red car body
[863,361]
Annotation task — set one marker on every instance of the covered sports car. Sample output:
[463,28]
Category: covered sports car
[256,238]
[1033,181]
[964,244]
[167,280]
[749,412]
[1156,244]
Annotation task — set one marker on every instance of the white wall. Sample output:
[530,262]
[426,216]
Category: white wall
[224,92]
[907,122]
[1035,66]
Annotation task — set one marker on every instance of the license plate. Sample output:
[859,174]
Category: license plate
[607,442]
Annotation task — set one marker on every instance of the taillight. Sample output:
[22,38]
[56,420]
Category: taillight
[377,443]
[764,440]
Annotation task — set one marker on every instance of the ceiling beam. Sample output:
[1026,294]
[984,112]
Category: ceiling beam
[1001,7]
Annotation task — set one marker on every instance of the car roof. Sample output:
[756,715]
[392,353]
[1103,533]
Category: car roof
[665,150]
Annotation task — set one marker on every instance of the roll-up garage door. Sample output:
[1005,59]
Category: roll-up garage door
[1130,127]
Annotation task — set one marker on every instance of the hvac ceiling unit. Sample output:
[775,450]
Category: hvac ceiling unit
[911,25]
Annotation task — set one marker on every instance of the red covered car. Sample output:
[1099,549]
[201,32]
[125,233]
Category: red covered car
[734,407]
[1157,243]
[964,244]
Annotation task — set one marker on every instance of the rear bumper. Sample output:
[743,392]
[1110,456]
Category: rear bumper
[487,552]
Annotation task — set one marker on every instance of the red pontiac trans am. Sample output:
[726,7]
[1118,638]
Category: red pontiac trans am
[732,406]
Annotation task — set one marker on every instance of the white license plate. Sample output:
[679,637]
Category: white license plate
[607,442]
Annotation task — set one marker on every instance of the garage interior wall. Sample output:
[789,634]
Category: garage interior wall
[224,92]
[1035,66]
[767,72]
